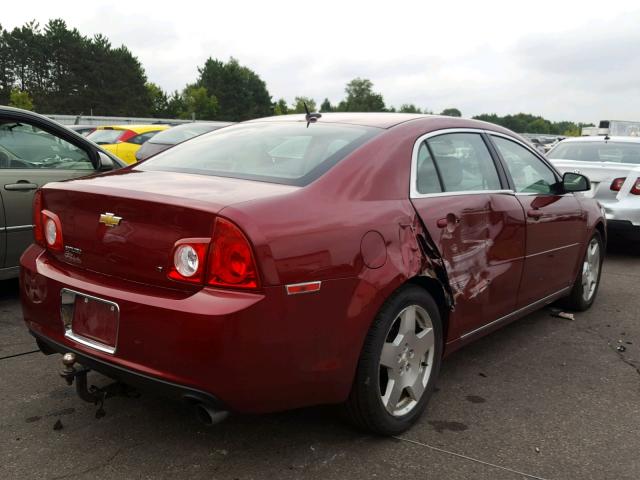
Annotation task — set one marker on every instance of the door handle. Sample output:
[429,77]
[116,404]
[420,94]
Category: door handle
[450,219]
[534,213]
[21,185]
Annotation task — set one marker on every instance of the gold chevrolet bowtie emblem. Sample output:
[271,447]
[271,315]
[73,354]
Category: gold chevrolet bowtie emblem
[109,219]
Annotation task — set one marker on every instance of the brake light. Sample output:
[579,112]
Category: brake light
[617,183]
[38,226]
[231,262]
[635,190]
[189,260]
[52,230]
[126,135]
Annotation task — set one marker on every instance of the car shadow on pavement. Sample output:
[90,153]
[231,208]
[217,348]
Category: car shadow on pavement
[9,289]
[623,246]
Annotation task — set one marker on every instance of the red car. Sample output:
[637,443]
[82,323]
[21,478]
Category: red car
[299,260]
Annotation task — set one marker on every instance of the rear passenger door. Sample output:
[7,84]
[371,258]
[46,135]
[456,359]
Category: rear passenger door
[555,222]
[463,199]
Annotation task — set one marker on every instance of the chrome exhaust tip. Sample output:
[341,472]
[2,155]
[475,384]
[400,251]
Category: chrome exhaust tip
[209,415]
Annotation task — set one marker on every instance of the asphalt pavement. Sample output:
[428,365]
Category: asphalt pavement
[543,398]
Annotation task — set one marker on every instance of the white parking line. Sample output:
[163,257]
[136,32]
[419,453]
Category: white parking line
[437,449]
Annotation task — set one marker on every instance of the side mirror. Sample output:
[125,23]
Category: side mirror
[575,182]
[105,162]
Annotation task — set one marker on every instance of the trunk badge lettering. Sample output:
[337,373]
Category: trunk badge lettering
[72,254]
[109,219]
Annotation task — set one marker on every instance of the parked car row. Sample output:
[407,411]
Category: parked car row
[543,143]
[130,143]
[303,259]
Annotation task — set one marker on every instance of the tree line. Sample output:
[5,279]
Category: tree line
[56,69]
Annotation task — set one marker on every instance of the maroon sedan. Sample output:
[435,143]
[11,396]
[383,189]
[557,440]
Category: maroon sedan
[298,260]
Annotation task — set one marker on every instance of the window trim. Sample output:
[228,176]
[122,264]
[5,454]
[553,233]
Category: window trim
[59,134]
[497,162]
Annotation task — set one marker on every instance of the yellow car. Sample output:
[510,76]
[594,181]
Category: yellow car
[124,140]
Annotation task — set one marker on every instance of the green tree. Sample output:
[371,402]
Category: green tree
[20,99]
[539,125]
[175,105]
[361,97]
[66,72]
[528,123]
[451,112]
[299,102]
[326,106]
[409,108]
[240,92]
[158,99]
[280,107]
[198,104]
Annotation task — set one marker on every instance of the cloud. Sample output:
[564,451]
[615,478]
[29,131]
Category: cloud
[555,59]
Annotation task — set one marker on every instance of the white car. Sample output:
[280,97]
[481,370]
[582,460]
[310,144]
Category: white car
[613,166]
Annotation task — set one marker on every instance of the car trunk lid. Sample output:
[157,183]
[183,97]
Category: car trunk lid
[600,174]
[126,224]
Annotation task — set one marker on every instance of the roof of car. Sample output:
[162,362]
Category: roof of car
[383,119]
[601,138]
[135,128]
[203,124]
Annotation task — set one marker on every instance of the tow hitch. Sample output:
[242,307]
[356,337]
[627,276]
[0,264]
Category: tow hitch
[92,394]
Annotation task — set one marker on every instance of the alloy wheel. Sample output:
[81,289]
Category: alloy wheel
[406,360]
[591,269]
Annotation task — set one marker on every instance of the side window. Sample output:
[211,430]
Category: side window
[140,139]
[27,146]
[464,162]
[529,173]
[427,180]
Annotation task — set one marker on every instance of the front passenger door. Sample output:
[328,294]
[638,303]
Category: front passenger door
[555,223]
[3,241]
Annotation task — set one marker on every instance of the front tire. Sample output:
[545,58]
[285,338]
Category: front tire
[587,282]
[399,363]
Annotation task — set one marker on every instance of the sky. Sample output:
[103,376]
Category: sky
[571,60]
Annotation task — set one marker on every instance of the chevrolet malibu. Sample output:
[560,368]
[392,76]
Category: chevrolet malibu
[302,260]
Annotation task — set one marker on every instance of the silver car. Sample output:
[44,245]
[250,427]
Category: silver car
[613,166]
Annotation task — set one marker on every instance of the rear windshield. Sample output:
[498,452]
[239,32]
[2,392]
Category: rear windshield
[287,152]
[620,152]
[183,132]
[104,137]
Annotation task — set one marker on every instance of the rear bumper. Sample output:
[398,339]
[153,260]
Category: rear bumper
[130,377]
[251,352]
[626,211]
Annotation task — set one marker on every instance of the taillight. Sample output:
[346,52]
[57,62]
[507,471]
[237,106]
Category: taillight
[189,260]
[52,230]
[38,226]
[225,260]
[126,135]
[617,183]
[231,262]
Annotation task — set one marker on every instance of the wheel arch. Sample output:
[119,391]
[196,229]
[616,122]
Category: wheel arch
[600,227]
[436,290]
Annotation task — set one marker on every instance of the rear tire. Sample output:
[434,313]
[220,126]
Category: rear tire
[585,287]
[398,365]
